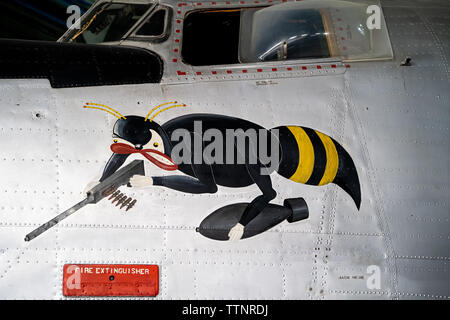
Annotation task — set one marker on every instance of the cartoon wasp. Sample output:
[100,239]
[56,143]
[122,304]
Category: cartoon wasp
[305,156]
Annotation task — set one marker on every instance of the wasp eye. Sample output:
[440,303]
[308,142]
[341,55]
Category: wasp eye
[156,144]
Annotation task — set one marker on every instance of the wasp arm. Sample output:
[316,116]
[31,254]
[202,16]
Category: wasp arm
[202,181]
[185,184]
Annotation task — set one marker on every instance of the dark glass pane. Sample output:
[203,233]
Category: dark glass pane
[154,26]
[211,38]
[111,22]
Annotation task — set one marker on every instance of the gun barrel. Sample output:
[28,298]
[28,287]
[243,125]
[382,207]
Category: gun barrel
[96,194]
[56,220]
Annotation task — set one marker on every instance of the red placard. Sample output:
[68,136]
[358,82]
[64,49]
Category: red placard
[107,280]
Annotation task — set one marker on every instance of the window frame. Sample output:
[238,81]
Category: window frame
[67,36]
[258,64]
[132,35]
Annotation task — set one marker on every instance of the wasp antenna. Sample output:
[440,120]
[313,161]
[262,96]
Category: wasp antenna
[161,105]
[115,115]
[165,109]
[104,106]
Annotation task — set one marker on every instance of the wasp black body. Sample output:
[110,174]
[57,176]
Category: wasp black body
[305,156]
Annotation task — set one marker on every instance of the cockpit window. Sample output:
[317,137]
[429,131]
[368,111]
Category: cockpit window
[293,34]
[289,31]
[311,29]
[211,37]
[155,26]
[109,22]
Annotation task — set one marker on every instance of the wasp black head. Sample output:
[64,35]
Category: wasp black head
[139,133]
[134,134]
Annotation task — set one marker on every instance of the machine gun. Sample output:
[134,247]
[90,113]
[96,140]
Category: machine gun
[107,187]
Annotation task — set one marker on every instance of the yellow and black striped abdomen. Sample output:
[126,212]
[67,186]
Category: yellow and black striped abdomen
[311,157]
[308,156]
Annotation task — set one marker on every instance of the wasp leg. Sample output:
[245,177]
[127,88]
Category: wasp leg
[264,183]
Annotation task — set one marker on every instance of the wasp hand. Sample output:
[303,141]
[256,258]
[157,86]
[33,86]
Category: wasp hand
[139,181]
[90,185]
[236,232]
